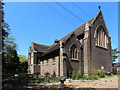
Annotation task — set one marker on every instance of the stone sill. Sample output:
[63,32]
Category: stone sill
[73,59]
[101,47]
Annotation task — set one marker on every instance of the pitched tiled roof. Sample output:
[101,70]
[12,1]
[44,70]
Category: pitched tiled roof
[78,31]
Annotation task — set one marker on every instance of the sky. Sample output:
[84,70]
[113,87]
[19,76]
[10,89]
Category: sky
[43,22]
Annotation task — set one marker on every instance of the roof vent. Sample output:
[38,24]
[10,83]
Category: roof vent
[56,41]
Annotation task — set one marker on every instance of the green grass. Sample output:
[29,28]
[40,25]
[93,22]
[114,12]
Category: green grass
[116,75]
[110,76]
[107,76]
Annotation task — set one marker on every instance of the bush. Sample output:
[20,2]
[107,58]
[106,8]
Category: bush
[74,76]
[78,75]
[118,72]
[41,76]
[94,72]
[37,81]
[95,77]
[100,73]
[56,79]
[34,78]
[86,78]
[47,80]
[90,77]
[97,73]
[47,75]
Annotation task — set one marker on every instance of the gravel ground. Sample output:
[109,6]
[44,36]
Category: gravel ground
[111,82]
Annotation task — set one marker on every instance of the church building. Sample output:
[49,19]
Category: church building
[85,49]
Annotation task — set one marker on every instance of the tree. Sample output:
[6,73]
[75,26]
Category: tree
[23,64]
[115,54]
[22,58]
[10,59]
[23,67]
[4,33]
[4,28]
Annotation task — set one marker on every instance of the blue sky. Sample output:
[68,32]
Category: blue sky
[44,22]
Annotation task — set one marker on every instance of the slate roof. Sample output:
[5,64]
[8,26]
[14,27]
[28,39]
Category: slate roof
[48,49]
[40,47]
[56,46]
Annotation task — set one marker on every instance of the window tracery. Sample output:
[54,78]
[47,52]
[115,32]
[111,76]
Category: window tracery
[101,38]
[73,52]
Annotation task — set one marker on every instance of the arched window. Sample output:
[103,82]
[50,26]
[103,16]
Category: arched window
[73,52]
[101,37]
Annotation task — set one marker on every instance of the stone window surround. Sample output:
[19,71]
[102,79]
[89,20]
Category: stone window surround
[74,54]
[101,38]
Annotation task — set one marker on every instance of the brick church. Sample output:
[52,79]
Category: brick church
[86,48]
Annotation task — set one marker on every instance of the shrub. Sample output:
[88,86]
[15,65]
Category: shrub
[35,78]
[55,79]
[74,76]
[118,72]
[100,73]
[94,72]
[47,80]
[90,77]
[47,75]
[41,76]
[78,75]
[95,77]
[97,73]
[37,81]
[86,78]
